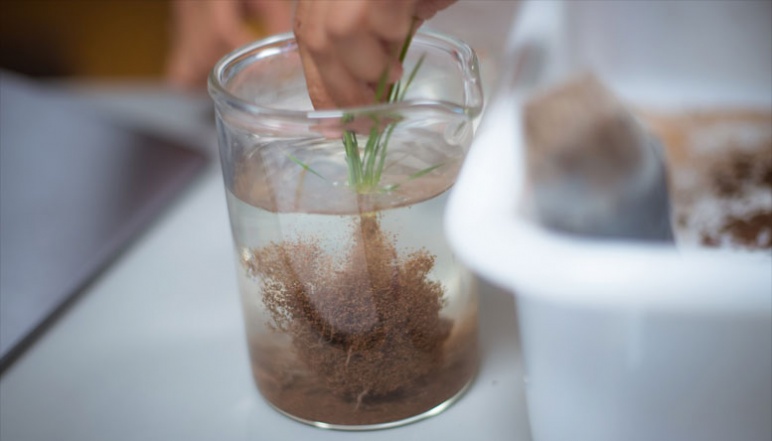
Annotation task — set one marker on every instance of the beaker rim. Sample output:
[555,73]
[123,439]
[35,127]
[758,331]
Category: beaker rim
[473,94]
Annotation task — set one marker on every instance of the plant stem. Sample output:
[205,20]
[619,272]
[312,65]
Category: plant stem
[364,173]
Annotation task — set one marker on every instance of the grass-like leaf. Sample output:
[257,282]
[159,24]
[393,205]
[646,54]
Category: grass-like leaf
[305,166]
[365,167]
[415,175]
[410,78]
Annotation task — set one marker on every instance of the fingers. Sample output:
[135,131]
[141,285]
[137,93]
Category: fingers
[346,47]
[363,55]
[340,85]
[203,32]
[391,19]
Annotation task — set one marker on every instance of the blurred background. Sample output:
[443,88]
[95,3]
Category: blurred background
[85,38]
[133,39]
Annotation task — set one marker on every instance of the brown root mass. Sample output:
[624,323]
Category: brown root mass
[366,331]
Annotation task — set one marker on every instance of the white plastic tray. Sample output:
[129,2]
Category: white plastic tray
[624,341]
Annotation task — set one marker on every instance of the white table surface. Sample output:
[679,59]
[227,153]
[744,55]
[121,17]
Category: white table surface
[155,348]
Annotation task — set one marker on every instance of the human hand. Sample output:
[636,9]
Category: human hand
[346,46]
[205,30]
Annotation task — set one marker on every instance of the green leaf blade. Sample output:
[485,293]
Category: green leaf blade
[305,166]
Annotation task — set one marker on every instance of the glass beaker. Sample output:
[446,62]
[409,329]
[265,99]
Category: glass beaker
[357,314]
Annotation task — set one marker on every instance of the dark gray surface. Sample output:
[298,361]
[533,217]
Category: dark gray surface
[75,188]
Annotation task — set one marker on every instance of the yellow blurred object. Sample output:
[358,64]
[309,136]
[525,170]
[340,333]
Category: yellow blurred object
[87,38]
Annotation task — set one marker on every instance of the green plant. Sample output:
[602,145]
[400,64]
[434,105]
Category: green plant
[365,170]
[366,165]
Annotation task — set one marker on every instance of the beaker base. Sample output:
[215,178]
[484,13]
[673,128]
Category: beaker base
[436,410]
